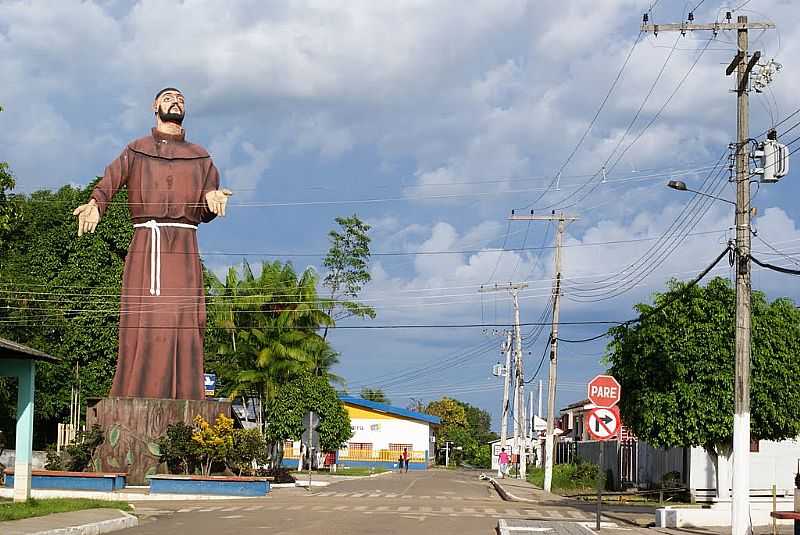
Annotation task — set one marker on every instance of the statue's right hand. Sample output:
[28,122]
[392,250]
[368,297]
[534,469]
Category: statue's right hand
[88,217]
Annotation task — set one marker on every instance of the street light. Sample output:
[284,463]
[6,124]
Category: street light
[680,185]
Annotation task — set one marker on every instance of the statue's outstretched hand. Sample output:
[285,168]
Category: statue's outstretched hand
[88,217]
[217,200]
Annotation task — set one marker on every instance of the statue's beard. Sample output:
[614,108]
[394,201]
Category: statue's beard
[170,117]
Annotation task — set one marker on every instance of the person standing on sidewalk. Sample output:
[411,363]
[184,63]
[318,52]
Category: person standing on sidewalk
[502,460]
[405,460]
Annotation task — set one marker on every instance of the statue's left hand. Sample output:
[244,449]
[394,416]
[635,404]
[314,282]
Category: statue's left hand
[217,200]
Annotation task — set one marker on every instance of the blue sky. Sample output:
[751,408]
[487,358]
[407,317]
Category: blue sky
[432,121]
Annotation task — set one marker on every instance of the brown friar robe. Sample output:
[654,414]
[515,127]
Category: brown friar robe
[161,329]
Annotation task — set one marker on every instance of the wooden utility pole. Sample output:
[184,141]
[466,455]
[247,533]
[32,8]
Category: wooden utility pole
[519,400]
[551,382]
[743,64]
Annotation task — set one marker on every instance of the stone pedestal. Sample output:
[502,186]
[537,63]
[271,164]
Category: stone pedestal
[132,427]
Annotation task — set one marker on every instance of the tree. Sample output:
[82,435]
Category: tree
[62,297]
[374,394]
[263,330]
[213,442]
[676,369]
[347,263]
[287,411]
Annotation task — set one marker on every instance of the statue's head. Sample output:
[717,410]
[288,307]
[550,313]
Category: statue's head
[169,105]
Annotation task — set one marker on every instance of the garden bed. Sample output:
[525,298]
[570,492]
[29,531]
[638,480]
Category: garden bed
[214,485]
[53,479]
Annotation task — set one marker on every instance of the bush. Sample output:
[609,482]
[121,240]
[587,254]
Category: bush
[178,450]
[214,443]
[671,480]
[249,449]
[54,460]
[277,475]
[80,451]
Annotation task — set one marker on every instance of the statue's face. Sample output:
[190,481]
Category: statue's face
[170,107]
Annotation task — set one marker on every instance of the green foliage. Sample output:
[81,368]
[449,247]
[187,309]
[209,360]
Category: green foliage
[212,442]
[54,460]
[33,507]
[347,262]
[178,449]
[676,368]
[466,426]
[580,476]
[65,298]
[287,411]
[262,330]
[80,452]
[250,450]
[374,394]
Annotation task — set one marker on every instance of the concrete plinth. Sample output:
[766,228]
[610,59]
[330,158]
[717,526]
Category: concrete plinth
[132,427]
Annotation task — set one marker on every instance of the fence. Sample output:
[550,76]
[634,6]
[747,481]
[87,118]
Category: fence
[626,464]
[415,456]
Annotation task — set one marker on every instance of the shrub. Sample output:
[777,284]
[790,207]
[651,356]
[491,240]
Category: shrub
[54,459]
[213,442]
[671,480]
[178,449]
[249,449]
[81,450]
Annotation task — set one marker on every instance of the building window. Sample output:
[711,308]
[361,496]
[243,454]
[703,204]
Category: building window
[399,447]
[359,446]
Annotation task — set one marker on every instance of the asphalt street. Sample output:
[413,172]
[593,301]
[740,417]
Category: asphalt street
[435,501]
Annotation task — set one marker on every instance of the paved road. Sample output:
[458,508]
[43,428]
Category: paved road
[436,501]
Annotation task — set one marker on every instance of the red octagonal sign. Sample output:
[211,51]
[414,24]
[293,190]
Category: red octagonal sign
[604,391]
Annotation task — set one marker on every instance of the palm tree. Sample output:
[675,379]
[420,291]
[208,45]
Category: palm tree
[266,330]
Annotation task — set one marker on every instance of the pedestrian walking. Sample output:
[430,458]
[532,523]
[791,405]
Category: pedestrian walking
[502,460]
[405,459]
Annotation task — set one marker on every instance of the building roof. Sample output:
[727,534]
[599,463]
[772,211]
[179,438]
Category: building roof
[388,409]
[13,350]
[578,405]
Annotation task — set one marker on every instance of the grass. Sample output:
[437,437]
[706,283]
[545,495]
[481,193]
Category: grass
[32,508]
[566,478]
[356,471]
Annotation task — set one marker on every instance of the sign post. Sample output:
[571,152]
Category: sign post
[603,423]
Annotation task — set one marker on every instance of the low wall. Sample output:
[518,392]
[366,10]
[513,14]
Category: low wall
[38,459]
[719,515]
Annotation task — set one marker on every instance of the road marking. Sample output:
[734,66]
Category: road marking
[446,509]
[382,508]
[319,507]
[512,512]
[375,495]
[426,509]
[325,494]
[253,508]
[396,495]
[186,510]
[406,496]
[229,517]
[294,507]
[359,507]
[340,508]
[208,509]
[342,494]
[489,511]
[229,509]
[404,508]
[360,494]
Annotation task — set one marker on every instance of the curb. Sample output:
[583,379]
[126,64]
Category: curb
[95,528]
[507,496]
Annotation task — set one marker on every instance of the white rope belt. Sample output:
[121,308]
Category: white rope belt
[155,250]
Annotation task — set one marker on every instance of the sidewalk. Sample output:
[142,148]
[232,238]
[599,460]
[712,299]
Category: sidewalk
[86,522]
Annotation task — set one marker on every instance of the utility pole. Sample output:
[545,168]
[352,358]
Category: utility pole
[743,64]
[551,381]
[506,385]
[519,399]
